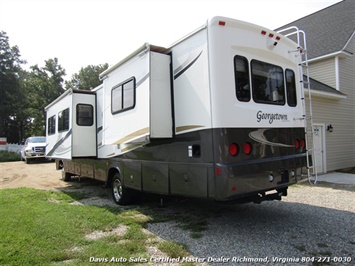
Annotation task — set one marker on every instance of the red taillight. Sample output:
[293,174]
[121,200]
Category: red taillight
[218,171]
[271,35]
[233,149]
[297,144]
[303,143]
[247,148]
[263,32]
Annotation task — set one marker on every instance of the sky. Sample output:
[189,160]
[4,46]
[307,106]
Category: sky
[91,32]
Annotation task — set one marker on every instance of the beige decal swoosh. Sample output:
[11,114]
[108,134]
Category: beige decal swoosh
[184,128]
[133,135]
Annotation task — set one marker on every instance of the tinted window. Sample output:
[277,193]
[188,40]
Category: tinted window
[123,96]
[242,85]
[84,115]
[51,125]
[63,120]
[291,87]
[268,83]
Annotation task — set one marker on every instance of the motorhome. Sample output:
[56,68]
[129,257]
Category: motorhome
[217,115]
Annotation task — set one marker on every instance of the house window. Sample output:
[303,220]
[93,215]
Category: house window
[51,125]
[291,88]
[123,96]
[268,83]
[63,120]
[84,115]
[242,86]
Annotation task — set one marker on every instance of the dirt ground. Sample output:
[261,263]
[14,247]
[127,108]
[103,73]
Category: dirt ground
[40,175]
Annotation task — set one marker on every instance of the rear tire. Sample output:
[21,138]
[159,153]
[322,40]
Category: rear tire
[65,175]
[121,195]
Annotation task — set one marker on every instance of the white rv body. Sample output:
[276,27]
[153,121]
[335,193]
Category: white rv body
[72,136]
[149,114]
[251,44]
[217,115]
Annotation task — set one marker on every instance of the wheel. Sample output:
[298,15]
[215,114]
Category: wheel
[121,195]
[65,175]
[27,160]
[59,164]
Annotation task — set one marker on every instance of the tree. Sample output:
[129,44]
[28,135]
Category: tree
[24,94]
[10,89]
[43,85]
[87,78]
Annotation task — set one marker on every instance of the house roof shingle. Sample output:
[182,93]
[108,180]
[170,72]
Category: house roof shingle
[329,29]
[321,87]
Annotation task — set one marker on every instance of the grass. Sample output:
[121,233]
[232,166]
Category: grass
[8,156]
[174,250]
[42,228]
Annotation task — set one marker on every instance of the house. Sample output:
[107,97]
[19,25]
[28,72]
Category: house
[330,50]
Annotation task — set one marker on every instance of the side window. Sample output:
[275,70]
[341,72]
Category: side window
[242,86]
[84,115]
[63,120]
[51,125]
[291,87]
[123,96]
[268,83]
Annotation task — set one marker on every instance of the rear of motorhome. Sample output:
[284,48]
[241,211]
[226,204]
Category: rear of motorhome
[218,115]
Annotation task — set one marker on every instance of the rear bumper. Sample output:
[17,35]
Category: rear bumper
[257,177]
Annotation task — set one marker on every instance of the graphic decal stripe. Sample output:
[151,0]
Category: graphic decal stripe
[258,136]
[184,128]
[142,80]
[133,135]
[50,153]
[180,70]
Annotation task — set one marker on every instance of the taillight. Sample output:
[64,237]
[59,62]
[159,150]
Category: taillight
[297,144]
[303,144]
[247,148]
[218,171]
[233,149]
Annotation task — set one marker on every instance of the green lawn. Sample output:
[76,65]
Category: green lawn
[43,228]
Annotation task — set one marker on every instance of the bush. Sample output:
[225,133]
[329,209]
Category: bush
[9,156]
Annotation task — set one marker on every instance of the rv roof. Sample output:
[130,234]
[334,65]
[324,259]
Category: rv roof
[214,20]
[142,48]
[70,91]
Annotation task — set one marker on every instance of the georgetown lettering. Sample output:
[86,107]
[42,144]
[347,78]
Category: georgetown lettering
[270,116]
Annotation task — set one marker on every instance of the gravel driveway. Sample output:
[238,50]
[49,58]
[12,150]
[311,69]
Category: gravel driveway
[315,225]
[312,224]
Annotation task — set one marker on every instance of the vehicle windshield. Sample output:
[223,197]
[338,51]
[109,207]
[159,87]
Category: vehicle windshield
[37,140]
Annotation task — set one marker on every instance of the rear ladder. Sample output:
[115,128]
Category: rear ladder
[306,99]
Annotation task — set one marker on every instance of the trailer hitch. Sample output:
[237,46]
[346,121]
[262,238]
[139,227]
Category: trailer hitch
[274,196]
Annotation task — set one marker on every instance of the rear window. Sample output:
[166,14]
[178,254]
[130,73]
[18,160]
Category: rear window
[268,83]
[291,87]
[242,86]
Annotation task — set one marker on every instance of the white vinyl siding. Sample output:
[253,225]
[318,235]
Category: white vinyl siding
[340,144]
[324,71]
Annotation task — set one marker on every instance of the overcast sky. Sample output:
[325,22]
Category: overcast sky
[92,32]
